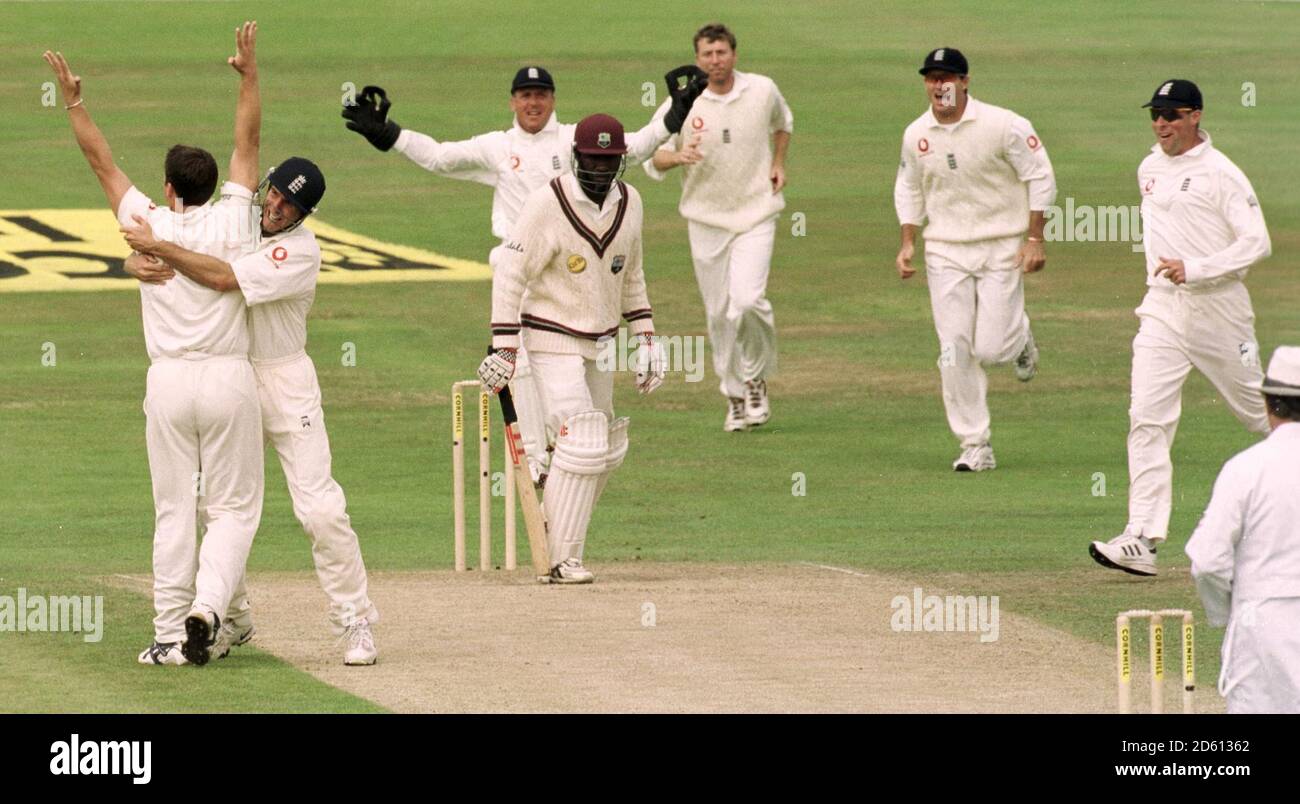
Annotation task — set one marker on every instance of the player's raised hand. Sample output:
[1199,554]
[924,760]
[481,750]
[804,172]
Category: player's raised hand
[70,84]
[368,116]
[245,58]
[903,262]
[1031,258]
[148,269]
[685,84]
[140,237]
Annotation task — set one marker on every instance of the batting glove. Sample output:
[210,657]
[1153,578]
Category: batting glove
[368,116]
[496,369]
[649,362]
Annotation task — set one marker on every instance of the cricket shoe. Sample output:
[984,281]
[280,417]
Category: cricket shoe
[735,415]
[361,650]
[231,636]
[975,459]
[757,410]
[201,627]
[1128,551]
[1027,361]
[570,570]
[163,653]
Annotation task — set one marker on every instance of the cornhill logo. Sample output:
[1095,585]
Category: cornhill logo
[603,139]
[298,183]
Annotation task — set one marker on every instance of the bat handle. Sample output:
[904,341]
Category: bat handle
[508,414]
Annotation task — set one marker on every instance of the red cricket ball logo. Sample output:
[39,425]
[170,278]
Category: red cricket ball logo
[1032,142]
[923,145]
[697,123]
[279,254]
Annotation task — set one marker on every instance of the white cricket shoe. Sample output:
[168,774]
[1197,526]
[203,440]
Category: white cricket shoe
[1128,551]
[1027,361]
[163,653]
[361,649]
[975,459]
[570,570]
[735,421]
[201,628]
[757,410]
[231,636]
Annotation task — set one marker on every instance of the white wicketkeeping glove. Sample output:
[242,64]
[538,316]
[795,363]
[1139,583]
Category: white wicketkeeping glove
[496,369]
[649,361]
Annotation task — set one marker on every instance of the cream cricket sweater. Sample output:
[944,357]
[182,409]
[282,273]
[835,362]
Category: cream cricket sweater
[975,180]
[572,271]
[731,187]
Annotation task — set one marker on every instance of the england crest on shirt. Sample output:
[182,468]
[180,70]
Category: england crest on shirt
[617,264]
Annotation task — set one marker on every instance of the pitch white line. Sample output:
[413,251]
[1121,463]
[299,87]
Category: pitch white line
[837,569]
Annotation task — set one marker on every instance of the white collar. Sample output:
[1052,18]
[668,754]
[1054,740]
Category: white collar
[740,84]
[971,113]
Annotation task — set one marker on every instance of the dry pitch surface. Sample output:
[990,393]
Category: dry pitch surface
[751,638]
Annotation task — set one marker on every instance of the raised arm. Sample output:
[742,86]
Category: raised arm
[93,145]
[248,109]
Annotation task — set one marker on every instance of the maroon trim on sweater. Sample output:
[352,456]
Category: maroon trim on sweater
[546,325]
[598,244]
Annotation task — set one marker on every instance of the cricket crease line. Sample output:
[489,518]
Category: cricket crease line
[838,569]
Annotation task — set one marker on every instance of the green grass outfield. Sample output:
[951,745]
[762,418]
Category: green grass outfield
[856,407]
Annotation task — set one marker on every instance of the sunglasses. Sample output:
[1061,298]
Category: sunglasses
[1169,114]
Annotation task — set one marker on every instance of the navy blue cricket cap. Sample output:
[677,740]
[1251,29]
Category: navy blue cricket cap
[300,182]
[532,77]
[1176,93]
[945,59]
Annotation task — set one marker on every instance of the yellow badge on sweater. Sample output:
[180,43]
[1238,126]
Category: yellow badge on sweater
[577,264]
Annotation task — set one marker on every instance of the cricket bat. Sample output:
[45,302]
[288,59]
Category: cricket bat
[534,518]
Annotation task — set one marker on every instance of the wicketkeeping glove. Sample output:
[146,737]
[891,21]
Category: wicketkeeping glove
[496,369]
[368,116]
[684,85]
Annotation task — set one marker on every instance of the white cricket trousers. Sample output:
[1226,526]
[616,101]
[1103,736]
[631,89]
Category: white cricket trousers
[569,385]
[977,295]
[203,431]
[1213,332]
[523,390]
[295,424]
[1261,657]
[732,270]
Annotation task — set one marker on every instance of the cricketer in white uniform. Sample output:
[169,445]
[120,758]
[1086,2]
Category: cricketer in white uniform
[732,154]
[578,273]
[515,163]
[203,426]
[981,176]
[1246,555]
[1202,229]
[275,276]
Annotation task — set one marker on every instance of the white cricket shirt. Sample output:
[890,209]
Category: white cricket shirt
[514,162]
[278,282]
[183,319]
[1247,545]
[1199,207]
[731,187]
[974,180]
[573,272]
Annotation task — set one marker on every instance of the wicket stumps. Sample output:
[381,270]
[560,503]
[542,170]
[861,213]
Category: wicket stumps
[484,480]
[1124,666]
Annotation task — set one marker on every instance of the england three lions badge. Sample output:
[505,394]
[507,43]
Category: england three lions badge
[618,263]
